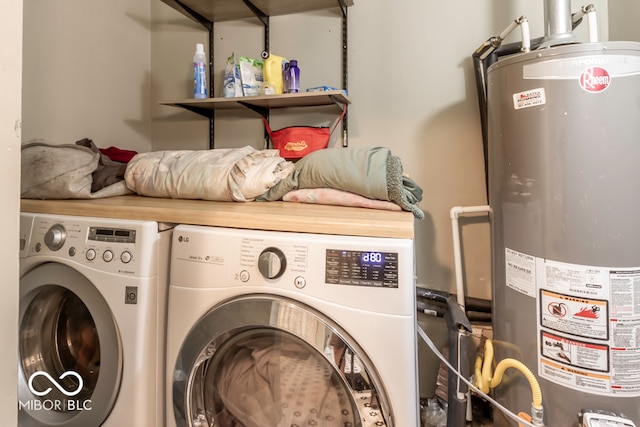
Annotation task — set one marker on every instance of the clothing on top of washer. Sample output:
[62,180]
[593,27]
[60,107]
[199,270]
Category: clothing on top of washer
[69,171]
[221,174]
[372,172]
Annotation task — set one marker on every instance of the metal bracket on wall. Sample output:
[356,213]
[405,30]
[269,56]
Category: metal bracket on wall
[263,17]
[264,112]
[345,74]
[208,25]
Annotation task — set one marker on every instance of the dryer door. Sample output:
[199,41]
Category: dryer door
[267,361]
[70,360]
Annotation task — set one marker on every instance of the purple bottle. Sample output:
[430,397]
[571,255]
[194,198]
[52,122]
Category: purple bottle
[292,77]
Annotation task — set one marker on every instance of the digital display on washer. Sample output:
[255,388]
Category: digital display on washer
[361,268]
[117,235]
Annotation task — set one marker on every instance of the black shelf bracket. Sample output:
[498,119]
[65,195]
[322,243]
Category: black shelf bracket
[345,70]
[205,112]
[208,25]
[264,112]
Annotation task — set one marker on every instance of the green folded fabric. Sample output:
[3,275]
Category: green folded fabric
[371,172]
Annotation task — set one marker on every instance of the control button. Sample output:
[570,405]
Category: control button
[72,251]
[55,237]
[38,247]
[244,276]
[300,282]
[107,256]
[126,257]
[272,263]
[91,254]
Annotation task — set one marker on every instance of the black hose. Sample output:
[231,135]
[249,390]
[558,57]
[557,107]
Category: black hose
[471,303]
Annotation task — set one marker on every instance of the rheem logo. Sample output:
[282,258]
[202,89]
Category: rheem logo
[594,79]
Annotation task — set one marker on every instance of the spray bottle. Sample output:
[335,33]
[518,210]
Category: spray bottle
[199,73]
[272,72]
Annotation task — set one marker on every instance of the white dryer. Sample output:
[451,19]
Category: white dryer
[92,321]
[271,329]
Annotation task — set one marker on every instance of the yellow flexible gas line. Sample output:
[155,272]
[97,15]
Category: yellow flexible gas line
[533,382]
[485,380]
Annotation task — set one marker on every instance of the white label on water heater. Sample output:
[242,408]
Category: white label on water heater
[529,98]
[588,322]
[520,272]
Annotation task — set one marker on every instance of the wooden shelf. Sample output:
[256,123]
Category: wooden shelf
[274,216]
[287,100]
[230,10]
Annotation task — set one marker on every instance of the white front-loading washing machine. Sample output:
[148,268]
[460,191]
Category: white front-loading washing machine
[271,329]
[92,321]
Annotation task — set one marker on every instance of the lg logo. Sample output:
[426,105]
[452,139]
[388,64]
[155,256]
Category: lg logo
[183,239]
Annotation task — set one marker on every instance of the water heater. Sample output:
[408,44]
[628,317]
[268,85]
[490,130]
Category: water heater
[563,130]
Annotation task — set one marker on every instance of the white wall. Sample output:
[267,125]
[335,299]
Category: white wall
[624,28]
[10,85]
[87,72]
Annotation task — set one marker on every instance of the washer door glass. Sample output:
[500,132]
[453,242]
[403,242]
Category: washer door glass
[69,351]
[264,361]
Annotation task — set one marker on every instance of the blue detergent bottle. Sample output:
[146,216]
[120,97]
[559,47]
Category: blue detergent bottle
[199,73]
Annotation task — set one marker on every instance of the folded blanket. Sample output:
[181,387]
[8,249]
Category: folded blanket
[66,171]
[371,172]
[331,196]
[222,174]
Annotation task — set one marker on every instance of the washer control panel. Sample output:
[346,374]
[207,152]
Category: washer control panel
[361,268]
[115,235]
[372,274]
[109,245]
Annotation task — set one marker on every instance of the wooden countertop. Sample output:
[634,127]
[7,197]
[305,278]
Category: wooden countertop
[275,216]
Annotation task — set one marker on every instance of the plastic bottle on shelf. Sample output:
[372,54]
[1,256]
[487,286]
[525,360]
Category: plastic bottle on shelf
[199,73]
[273,73]
[292,77]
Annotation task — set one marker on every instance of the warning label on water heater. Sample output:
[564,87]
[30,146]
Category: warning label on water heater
[588,322]
[529,98]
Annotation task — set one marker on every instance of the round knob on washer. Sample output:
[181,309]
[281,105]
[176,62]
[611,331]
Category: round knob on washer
[272,263]
[90,254]
[55,237]
[125,257]
[107,256]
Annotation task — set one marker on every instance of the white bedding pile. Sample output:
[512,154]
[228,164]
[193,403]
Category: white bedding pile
[238,174]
